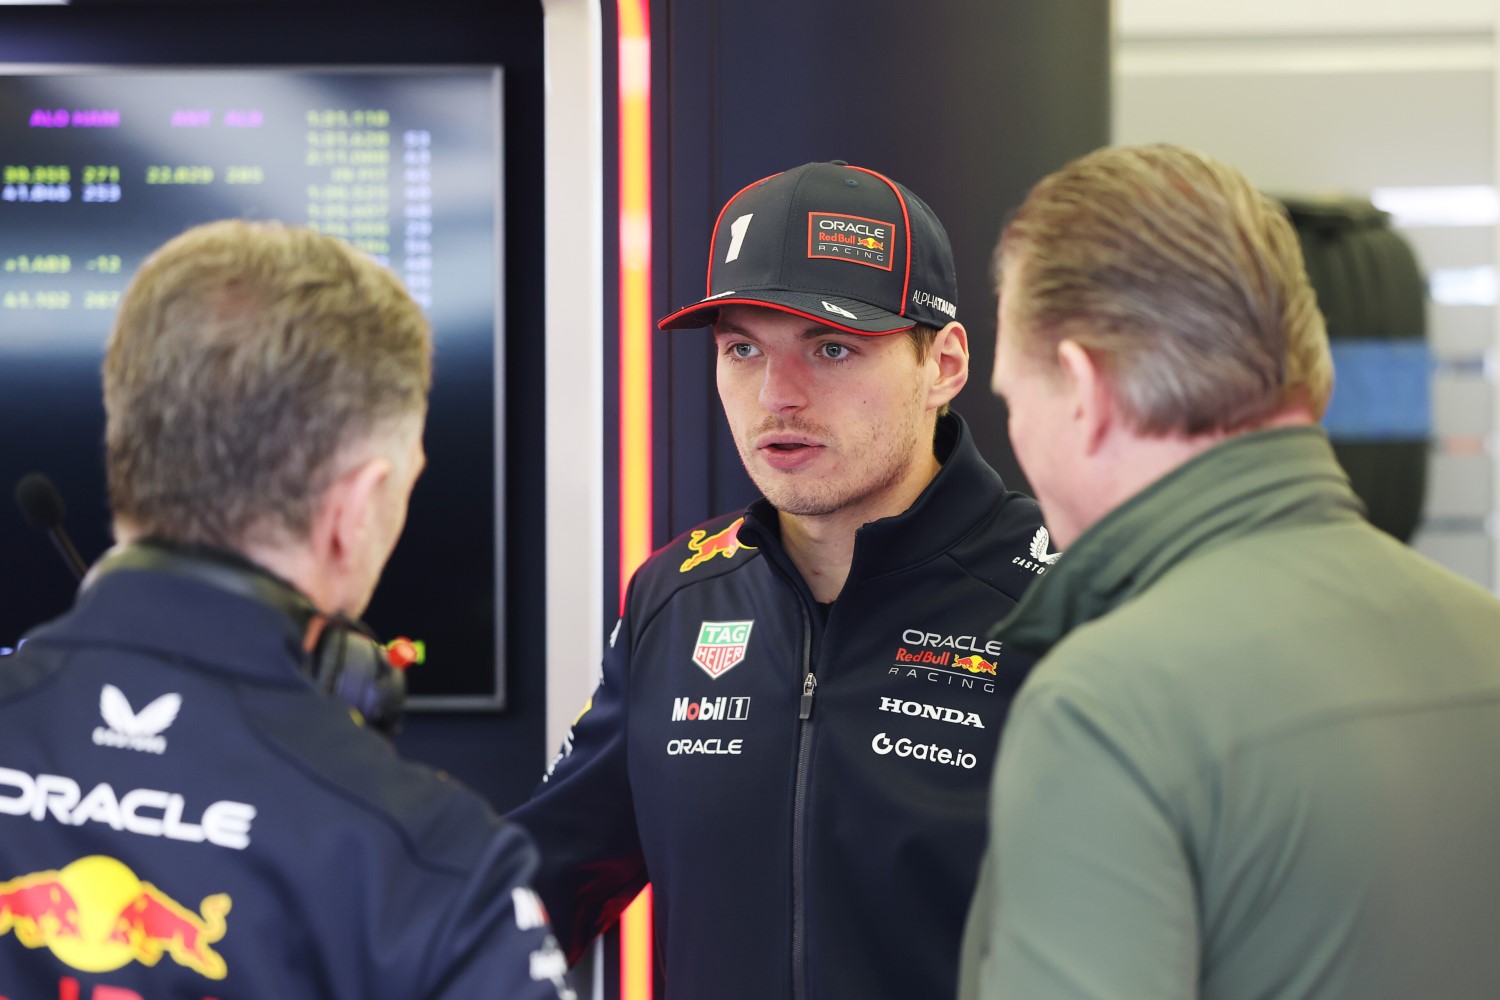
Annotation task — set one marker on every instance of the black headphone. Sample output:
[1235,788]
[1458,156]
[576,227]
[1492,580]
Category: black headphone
[345,659]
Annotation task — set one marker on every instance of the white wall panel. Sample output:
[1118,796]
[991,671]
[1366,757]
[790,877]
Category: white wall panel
[1320,132]
[1459,488]
[1276,17]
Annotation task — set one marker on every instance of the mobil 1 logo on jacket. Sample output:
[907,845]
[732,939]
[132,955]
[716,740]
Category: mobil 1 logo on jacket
[718,648]
[721,646]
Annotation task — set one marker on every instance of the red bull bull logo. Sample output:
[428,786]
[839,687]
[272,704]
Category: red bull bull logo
[975,664]
[870,243]
[705,546]
[95,915]
[37,908]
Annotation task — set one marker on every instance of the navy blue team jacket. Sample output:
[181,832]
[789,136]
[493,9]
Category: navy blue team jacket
[182,814]
[807,797]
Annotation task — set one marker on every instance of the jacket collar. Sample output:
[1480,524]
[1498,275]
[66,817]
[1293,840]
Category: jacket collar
[176,617]
[962,492]
[1272,478]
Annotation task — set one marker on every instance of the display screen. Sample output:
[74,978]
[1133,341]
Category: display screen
[100,167]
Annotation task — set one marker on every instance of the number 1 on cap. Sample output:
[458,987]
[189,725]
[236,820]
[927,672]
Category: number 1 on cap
[737,232]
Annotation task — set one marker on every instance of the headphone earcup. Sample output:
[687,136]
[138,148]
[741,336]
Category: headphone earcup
[350,664]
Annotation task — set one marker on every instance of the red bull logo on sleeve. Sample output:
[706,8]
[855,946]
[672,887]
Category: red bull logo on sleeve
[705,546]
[95,915]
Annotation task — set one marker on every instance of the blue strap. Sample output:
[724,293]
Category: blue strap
[1381,392]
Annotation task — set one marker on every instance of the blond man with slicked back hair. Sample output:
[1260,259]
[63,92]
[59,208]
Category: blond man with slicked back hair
[1247,764]
[1181,278]
[195,768]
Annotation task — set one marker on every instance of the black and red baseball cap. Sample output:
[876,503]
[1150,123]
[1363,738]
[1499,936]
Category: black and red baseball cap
[843,246]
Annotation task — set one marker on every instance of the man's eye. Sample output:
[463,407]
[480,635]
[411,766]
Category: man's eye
[835,352]
[742,350]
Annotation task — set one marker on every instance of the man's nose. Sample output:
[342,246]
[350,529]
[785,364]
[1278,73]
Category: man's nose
[784,385]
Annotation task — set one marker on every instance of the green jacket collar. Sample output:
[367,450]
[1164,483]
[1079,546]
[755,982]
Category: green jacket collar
[1253,481]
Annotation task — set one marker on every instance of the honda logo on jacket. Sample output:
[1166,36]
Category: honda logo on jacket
[921,710]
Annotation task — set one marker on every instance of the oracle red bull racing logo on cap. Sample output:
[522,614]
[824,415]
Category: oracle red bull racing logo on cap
[95,915]
[850,237]
[705,546]
[721,645]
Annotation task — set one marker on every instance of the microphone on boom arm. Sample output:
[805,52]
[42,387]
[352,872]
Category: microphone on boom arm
[42,507]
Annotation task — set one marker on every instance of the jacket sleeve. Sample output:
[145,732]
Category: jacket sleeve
[582,815]
[1087,892]
[495,940]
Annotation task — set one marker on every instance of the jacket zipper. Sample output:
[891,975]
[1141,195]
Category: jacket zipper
[799,816]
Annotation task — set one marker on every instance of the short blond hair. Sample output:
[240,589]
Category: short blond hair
[1180,279]
[244,359]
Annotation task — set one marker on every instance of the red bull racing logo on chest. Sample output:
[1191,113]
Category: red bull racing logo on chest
[95,915]
[721,645]
[962,661]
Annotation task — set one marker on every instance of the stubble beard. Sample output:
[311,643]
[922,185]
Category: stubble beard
[874,464]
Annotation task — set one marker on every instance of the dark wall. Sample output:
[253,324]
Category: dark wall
[499,754]
[967,104]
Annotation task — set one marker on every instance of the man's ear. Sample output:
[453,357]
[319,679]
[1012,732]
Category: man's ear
[950,352]
[346,513]
[1090,394]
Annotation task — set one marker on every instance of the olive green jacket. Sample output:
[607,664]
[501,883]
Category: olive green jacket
[1261,759]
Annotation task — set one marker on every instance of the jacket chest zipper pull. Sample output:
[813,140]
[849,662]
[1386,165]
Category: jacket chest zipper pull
[809,687]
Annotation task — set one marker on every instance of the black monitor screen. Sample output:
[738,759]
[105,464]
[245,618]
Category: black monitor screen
[99,167]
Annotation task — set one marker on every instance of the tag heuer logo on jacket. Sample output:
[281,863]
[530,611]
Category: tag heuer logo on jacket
[721,645]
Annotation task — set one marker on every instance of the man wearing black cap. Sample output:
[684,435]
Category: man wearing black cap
[799,709]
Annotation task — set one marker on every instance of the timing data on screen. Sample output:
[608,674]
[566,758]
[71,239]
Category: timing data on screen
[99,167]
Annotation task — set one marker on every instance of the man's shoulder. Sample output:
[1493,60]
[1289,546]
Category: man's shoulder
[1008,546]
[719,545]
[1013,514]
[439,823]
[23,671]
